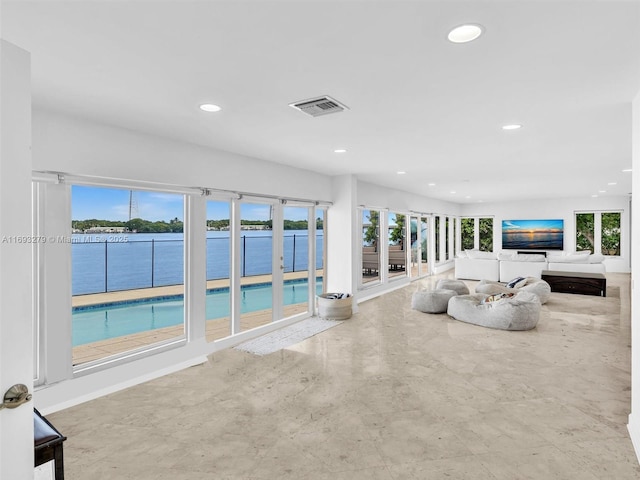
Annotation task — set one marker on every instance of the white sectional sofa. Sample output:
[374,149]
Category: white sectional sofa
[477,265]
[503,267]
[521,265]
[593,263]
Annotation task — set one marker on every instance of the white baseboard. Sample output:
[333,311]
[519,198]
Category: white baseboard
[634,432]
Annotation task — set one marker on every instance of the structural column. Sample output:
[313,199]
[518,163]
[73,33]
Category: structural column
[16,268]
[343,243]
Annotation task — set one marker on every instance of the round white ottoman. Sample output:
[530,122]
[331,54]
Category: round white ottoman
[520,312]
[533,285]
[432,301]
[457,285]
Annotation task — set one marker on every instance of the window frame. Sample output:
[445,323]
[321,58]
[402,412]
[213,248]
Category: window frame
[597,230]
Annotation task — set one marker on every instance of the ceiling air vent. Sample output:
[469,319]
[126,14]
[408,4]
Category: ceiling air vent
[319,106]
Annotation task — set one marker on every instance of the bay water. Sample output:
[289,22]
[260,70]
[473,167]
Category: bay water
[124,261]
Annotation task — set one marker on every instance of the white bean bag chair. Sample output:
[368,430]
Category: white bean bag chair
[518,312]
[432,301]
[458,285]
[529,284]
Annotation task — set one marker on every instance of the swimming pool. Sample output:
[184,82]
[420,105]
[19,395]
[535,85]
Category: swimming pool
[101,322]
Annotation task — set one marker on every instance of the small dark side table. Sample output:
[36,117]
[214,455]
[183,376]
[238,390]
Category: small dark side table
[47,444]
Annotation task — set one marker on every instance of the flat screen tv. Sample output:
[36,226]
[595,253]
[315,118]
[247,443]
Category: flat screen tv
[533,234]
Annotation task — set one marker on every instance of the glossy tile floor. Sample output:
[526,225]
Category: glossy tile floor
[391,393]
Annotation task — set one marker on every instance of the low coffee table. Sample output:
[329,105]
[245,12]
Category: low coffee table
[576,282]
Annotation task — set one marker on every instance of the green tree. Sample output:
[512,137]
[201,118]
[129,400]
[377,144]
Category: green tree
[176,225]
[136,224]
[585,228]
[397,233]
[295,224]
[611,233]
[218,224]
[371,233]
[486,234]
[467,233]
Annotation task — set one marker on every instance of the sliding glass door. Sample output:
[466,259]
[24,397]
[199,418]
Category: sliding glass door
[256,264]
[297,263]
[217,310]
[370,247]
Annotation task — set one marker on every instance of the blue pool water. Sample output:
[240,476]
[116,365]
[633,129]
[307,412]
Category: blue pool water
[101,322]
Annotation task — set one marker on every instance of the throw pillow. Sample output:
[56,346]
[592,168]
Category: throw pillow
[529,257]
[571,258]
[477,254]
[492,299]
[517,282]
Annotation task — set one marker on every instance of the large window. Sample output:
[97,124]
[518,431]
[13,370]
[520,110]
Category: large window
[486,234]
[446,239]
[321,244]
[298,266]
[127,255]
[610,233]
[397,245]
[415,247]
[437,239]
[370,246]
[424,244]
[256,256]
[454,237]
[598,232]
[218,303]
[467,234]
[476,231]
[585,231]
[139,262]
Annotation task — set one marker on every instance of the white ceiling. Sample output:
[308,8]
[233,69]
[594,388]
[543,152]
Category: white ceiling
[567,71]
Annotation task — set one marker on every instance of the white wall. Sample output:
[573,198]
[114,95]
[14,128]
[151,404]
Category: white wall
[558,209]
[371,195]
[66,144]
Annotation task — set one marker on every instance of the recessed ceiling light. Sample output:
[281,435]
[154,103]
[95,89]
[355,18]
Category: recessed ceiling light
[401,173]
[468,196]
[513,126]
[594,196]
[210,107]
[627,170]
[465,33]
[612,183]
[452,191]
[602,191]
[432,184]
[339,150]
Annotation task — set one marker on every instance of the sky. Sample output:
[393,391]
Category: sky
[113,204]
[508,225]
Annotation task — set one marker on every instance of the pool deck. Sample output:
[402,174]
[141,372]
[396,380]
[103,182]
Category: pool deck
[215,328]
[137,294]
